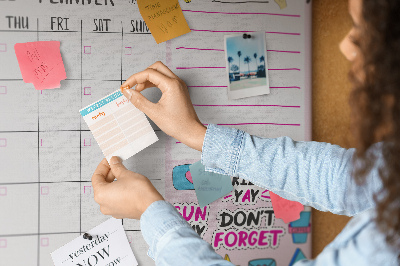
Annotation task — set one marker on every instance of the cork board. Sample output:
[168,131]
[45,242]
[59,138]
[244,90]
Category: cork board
[331,89]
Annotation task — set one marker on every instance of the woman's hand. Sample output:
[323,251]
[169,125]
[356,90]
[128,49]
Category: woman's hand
[174,113]
[128,197]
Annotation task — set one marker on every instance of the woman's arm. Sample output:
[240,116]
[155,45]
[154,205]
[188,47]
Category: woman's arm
[313,173]
[171,239]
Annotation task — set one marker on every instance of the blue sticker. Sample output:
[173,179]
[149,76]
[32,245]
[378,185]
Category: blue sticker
[297,256]
[300,228]
[262,262]
[181,177]
[209,186]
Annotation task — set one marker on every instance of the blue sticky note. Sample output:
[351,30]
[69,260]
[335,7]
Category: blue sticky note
[209,186]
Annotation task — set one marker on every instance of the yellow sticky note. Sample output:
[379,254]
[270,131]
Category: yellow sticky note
[282,3]
[164,18]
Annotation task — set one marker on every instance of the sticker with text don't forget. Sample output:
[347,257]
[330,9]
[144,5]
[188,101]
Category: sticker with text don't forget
[41,63]
[164,18]
[108,246]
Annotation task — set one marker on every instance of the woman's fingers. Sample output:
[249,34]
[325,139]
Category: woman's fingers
[100,174]
[160,67]
[159,80]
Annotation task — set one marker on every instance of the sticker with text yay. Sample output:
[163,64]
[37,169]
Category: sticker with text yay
[164,18]
[106,246]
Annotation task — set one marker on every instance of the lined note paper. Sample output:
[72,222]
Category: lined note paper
[119,128]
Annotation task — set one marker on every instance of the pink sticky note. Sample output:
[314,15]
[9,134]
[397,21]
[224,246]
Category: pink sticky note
[284,209]
[41,63]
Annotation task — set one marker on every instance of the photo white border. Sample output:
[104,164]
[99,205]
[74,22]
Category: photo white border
[248,92]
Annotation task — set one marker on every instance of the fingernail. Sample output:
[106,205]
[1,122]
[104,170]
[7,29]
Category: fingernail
[124,88]
[127,93]
[115,160]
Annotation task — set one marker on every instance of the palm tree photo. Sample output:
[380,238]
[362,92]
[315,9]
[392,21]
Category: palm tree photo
[247,60]
[239,53]
[255,60]
[230,60]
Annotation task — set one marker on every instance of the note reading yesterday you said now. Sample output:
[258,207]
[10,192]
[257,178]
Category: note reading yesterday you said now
[109,246]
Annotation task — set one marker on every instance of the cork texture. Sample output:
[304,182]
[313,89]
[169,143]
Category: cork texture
[331,89]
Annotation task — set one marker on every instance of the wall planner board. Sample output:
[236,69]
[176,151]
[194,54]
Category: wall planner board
[48,154]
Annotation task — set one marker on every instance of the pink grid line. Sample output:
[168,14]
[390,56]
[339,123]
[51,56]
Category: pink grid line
[247,105]
[241,13]
[270,32]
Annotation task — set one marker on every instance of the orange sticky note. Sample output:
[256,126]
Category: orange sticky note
[284,209]
[164,18]
[41,63]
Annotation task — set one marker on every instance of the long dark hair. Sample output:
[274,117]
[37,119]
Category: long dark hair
[375,103]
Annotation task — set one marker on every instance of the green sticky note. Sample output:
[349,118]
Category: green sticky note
[209,186]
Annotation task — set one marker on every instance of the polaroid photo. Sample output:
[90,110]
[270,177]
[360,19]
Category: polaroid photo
[246,64]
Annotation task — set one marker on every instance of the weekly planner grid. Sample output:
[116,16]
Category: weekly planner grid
[48,153]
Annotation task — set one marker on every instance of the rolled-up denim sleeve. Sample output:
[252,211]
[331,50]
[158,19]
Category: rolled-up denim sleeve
[172,241]
[313,173]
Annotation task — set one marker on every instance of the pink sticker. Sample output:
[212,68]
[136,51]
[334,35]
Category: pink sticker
[41,63]
[189,177]
[3,243]
[284,209]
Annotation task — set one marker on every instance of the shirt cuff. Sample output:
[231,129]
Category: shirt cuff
[222,147]
[159,218]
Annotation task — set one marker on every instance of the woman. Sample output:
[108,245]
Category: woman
[362,182]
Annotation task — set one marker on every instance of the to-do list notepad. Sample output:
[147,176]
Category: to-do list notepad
[118,126]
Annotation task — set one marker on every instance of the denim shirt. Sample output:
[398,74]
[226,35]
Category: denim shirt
[312,173]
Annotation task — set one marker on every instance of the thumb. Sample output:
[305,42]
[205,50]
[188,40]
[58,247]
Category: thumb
[117,167]
[138,100]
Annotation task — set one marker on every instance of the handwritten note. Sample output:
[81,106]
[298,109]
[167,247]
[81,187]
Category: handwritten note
[41,63]
[118,126]
[164,19]
[209,186]
[284,209]
[108,246]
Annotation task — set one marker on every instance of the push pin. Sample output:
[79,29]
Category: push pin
[87,236]
[246,36]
